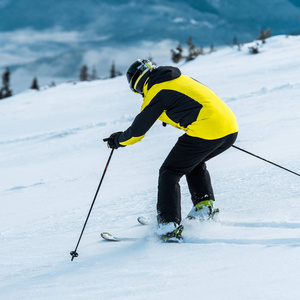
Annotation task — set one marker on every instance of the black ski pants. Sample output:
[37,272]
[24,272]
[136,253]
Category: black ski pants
[188,158]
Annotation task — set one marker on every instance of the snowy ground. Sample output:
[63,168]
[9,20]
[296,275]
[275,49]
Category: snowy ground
[52,158]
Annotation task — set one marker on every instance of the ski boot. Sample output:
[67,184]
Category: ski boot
[202,211]
[170,232]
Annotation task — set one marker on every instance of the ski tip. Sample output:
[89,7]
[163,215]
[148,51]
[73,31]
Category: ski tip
[143,220]
[108,237]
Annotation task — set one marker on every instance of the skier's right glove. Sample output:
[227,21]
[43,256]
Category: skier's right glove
[113,140]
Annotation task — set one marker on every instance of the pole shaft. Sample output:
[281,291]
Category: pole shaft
[265,160]
[95,197]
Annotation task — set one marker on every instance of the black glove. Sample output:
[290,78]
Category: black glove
[113,140]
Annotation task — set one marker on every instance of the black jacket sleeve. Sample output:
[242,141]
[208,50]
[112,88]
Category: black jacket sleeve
[142,122]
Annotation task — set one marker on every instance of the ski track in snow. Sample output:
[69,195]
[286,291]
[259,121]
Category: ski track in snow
[52,135]
[52,159]
[59,134]
[264,91]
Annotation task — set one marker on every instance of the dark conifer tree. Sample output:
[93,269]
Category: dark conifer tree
[265,34]
[94,74]
[5,91]
[84,75]
[35,85]
[113,73]
[235,40]
[177,54]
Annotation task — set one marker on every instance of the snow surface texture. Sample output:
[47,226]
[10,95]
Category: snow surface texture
[52,158]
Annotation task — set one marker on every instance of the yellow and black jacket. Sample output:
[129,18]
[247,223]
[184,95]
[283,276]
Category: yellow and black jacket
[184,103]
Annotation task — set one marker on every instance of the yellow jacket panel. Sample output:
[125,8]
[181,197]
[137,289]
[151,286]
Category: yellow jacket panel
[184,103]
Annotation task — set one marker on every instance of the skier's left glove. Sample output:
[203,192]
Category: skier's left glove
[113,140]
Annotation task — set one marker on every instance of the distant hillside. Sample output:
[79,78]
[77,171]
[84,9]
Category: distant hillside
[132,20]
[52,39]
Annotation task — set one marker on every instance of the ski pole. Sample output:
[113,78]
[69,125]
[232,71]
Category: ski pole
[74,253]
[265,160]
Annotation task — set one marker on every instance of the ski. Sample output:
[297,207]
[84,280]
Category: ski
[147,221]
[213,216]
[111,238]
[143,220]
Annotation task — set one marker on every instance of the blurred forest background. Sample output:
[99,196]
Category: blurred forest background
[43,43]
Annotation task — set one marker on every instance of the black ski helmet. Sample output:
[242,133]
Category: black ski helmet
[138,74]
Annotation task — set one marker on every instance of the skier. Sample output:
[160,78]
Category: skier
[210,128]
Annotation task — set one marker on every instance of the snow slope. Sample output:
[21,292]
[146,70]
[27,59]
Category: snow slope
[52,158]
